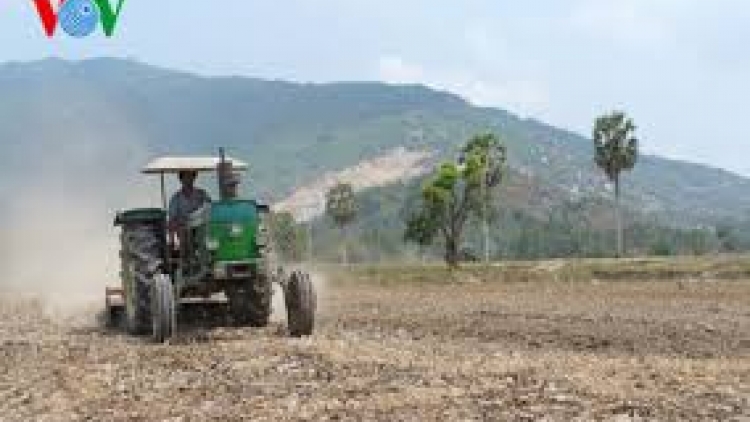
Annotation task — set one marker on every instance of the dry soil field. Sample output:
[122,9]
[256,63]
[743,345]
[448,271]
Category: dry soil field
[414,351]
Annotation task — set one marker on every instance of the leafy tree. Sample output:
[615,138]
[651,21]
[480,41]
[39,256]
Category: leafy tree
[491,156]
[341,206]
[421,228]
[729,241]
[616,150]
[457,192]
[288,236]
[662,247]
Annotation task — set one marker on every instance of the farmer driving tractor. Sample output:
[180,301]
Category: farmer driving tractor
[223,248]
[184,202]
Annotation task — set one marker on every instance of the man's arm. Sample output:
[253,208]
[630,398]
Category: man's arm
[173,213]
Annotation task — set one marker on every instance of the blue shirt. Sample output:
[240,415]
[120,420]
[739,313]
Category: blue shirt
[182,205]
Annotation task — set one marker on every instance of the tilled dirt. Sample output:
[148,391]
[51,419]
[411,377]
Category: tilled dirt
[419,352]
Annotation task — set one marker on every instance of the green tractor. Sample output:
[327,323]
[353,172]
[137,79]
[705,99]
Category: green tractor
[224,247]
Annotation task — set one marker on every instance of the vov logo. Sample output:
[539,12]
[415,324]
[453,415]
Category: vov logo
[79,18]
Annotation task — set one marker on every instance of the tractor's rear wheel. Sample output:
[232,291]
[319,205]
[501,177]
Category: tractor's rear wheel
[138,308]
[300,304]
[142,259]
[162,309]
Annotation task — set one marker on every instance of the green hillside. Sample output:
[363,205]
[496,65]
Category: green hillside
[113,114]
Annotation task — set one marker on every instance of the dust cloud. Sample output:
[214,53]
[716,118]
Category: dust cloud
[57,239]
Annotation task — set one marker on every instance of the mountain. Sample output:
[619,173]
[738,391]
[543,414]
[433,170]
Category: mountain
[117,113]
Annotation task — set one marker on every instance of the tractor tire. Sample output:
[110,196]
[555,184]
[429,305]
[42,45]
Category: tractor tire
[250,303]
[142,259]
[138,309]
[300,304]
[162,309]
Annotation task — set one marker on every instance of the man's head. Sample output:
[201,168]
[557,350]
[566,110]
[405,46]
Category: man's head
[232,184]
[187,178]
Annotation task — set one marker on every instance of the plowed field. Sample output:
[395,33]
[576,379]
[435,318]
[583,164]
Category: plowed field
[622,351]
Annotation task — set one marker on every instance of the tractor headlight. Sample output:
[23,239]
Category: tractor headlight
[212,244]
[235,230]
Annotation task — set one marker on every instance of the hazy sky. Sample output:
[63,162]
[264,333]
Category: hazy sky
[680,67]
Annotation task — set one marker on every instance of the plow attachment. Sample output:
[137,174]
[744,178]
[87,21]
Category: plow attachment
[115,306]
[193,312]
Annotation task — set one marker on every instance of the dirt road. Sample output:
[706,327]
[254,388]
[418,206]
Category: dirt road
[412,352]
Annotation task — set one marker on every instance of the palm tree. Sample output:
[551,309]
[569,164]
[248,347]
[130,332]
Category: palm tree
[616,151]
[341,206]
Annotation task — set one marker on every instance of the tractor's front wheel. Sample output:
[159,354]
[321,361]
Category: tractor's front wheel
[162,308]
[300,304]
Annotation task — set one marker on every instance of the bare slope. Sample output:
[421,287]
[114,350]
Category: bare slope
[308,200]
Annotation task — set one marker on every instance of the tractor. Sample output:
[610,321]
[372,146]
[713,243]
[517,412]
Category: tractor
[223,250]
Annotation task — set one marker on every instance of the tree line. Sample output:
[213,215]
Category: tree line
[456,213]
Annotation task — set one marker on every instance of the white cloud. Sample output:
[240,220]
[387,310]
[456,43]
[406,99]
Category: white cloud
[522,96]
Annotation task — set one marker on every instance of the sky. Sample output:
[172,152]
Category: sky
[680,68]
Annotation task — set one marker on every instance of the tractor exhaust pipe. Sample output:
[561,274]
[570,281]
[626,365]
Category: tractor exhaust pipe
[224,173]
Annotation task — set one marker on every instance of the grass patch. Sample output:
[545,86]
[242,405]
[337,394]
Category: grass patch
[722,267]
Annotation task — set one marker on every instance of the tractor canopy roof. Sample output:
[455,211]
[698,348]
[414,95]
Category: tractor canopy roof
[197,164]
